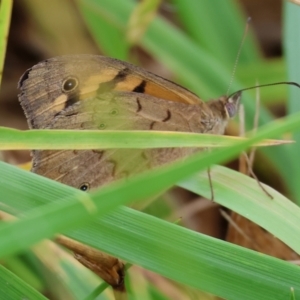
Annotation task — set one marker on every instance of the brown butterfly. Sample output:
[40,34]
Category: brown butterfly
[96,92]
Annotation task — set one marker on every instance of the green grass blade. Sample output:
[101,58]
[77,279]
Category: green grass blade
[12,287]
[95,139]
[106,29]
[218,28]
[244,196]
[197,260]
[292,48]
[5,15]
[20,268]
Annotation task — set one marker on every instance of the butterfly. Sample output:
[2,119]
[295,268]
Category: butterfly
[102,93]
[92,92]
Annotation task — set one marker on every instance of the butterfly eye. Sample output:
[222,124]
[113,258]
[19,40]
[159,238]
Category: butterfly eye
[84,186]
[70,84]
[232,104]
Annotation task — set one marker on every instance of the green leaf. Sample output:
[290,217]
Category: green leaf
[196,260]
[95,139]
[12,287]
[105,28]
[5,15]
[292,48]
[226,31]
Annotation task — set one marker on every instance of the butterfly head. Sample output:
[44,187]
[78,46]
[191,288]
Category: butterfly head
[231,104]
[219,113]
[225,107]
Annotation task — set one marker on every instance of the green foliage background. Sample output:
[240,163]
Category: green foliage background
[200,54]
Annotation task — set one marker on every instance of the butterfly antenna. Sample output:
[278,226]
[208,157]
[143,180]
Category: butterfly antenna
[239,53]
[264,85]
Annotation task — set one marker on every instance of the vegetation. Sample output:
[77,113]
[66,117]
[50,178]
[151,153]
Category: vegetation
[199,52]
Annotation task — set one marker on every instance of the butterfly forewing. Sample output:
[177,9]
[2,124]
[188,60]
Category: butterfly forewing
[42,86]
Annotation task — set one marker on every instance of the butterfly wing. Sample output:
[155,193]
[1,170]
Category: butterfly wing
[94,92]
